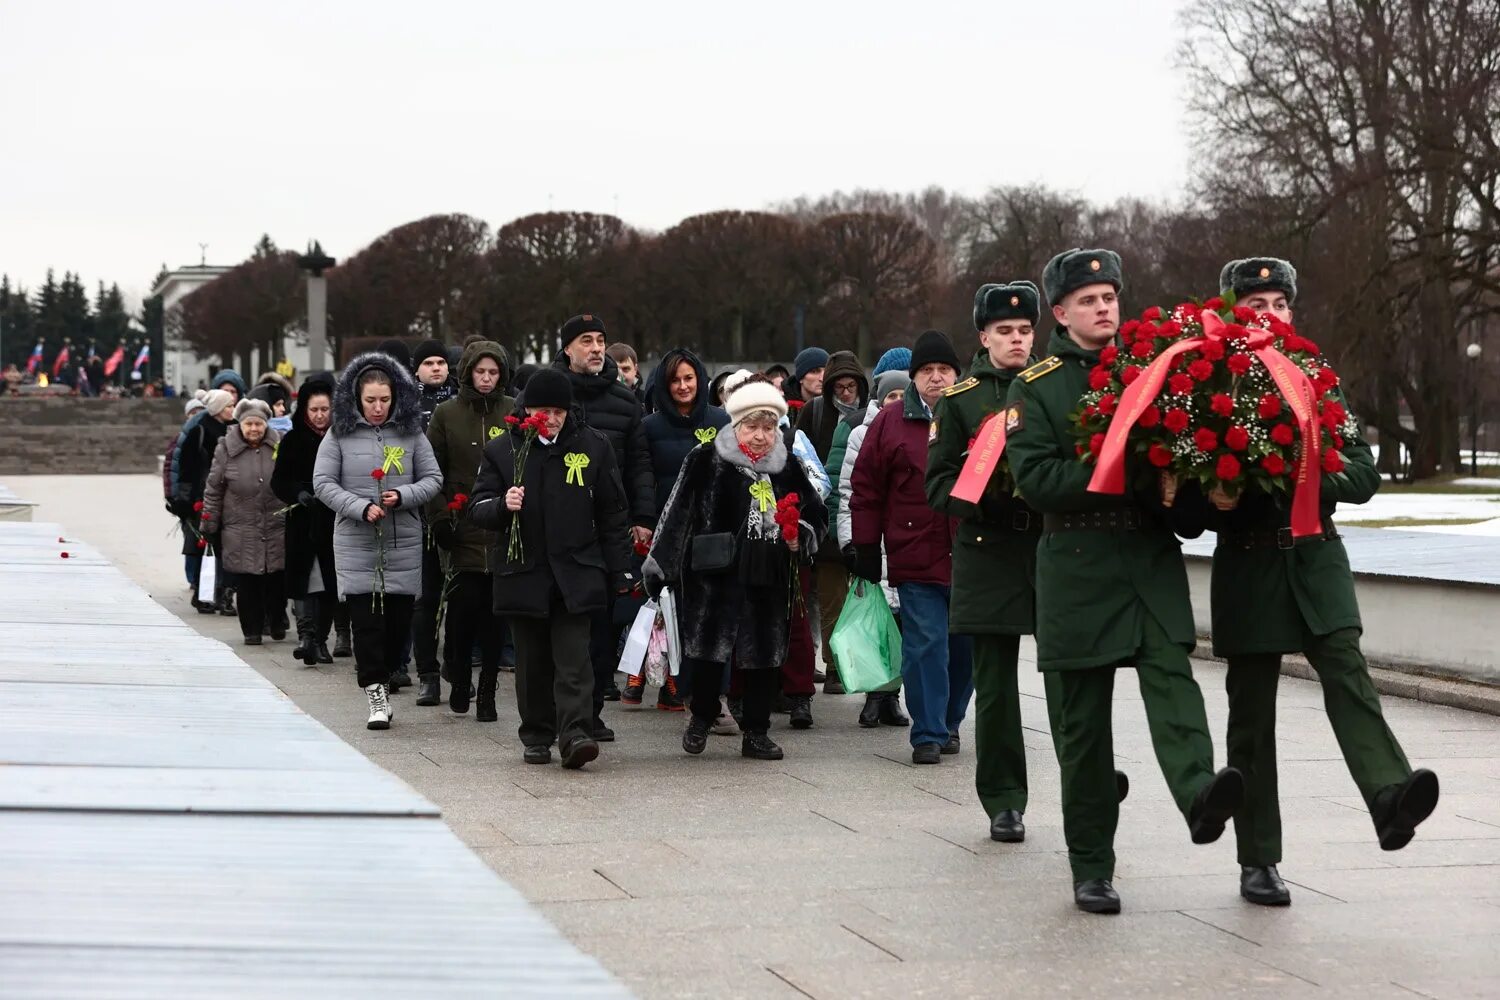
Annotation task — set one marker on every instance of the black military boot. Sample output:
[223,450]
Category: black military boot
[484,703]
[1214,804]
[1096,895]
[801,711]
[1398,809]
[341,644]
[1262,885]
[1007,827]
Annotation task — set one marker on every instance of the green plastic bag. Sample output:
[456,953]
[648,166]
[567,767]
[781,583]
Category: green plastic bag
[866,643]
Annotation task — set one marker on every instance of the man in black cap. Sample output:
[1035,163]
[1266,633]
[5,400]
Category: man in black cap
[606,405]
[1265,605]
[429,363]
[1111,591]
[806,383]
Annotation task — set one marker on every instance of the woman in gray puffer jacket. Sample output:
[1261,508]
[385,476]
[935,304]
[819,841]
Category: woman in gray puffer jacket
[375,470]
[238,505]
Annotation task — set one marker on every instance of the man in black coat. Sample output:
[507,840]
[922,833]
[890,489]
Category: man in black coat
[610,408]
[573,556]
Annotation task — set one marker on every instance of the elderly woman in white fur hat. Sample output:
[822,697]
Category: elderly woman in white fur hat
[720,548]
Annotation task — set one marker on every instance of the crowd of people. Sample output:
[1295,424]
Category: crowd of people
[447,507]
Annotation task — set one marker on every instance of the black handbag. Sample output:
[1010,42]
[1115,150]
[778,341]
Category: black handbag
[713,553]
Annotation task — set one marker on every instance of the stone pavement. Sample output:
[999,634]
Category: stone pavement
[843,871]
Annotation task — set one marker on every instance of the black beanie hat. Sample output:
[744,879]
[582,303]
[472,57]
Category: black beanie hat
[933,348]
[579,325]
[549,387]
[428,349]
[398,350]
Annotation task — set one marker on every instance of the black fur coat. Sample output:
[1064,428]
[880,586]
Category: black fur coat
[720,615]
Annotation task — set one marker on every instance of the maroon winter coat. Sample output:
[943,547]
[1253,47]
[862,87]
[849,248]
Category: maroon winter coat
[889,499]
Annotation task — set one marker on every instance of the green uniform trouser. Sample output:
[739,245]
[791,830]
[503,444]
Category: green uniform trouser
[1374,758]
[1179,734]
[999,750]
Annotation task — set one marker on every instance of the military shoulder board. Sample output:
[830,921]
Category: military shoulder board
[964,386]
[1041,368]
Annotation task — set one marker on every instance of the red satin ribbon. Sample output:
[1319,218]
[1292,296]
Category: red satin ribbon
[982,461]
[1296,388]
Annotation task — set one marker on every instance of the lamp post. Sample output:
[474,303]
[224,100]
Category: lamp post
[315,262]
[1474,350]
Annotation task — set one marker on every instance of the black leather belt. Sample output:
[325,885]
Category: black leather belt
[1119,519]
[1276,538]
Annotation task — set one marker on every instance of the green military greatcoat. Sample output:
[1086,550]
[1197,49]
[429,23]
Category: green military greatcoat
[1095,589]
[994,565]
[1268,599]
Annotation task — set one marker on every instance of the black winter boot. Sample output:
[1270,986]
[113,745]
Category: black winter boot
[307,644]
[759,746]
[342,646]
[429,690]
[484,704]
[801,711]
[890,710]
[869,716]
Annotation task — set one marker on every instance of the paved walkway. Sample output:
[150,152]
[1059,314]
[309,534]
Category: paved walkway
[845,872]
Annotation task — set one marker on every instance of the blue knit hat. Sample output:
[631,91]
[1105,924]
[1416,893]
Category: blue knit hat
[895,360]
[808,359]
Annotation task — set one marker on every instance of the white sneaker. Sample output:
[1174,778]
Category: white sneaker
[380,707]
[724,725]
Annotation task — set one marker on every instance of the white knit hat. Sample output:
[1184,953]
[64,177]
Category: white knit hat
[214,401]
[193,406]
[742,397]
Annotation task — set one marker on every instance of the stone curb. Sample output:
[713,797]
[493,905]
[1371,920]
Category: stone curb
[1396,682]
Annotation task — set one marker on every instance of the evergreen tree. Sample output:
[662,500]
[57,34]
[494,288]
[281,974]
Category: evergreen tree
[153,321]
[17,324]
[73,302]
[111,321]
[50,328]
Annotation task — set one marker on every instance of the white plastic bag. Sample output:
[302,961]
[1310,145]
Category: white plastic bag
[674,636]
[208,575]
[637,641]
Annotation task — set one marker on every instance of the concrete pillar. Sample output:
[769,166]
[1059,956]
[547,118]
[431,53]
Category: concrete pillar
[317,322]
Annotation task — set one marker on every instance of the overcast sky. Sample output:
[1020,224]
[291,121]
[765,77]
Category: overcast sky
[135,131]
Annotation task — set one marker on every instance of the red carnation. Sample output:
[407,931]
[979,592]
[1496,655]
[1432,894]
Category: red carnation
[1239,364]
[1170,328]
[1338,442]
[1333,461]
[795,404]
[1333,414]
[1129,375]
[1214,303]
[1310,347]
[1270,406]
[1129,327]
[1228,468]
[1152,314]
[1205,439]
[1237,438]
[1108,355]
[1096,443]
[1107,403]
[1145,330]
[1175,420]
[377,474]
[1212,350]
[1273,464]
[642,549]
[1282,434]
[1243,314]
[1099,378]
[1293,343]
[1142,349]
[197,506]
[1221,404]
[202,543]
[1088,411]
[1180,385]
[1150,417]
[1201,370]
[1159,456]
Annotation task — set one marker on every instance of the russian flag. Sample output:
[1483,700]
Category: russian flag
[35,359]
[142,357]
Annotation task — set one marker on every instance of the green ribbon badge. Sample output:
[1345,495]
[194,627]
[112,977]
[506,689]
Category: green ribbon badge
[761,490]
[576,463]
[393,456]
[496,432]
[706,434]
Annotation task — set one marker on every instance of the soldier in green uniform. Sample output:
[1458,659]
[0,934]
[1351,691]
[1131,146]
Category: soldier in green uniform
[1273,595]
[1111,591]
[994,554]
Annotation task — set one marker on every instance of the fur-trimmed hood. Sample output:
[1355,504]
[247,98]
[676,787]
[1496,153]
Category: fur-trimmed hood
[406,396]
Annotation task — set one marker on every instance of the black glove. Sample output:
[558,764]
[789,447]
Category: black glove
[307,498]
[867,562]
[445,533]
[850,561]
[653,585]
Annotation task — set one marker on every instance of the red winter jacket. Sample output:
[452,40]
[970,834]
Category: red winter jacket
[889,501]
